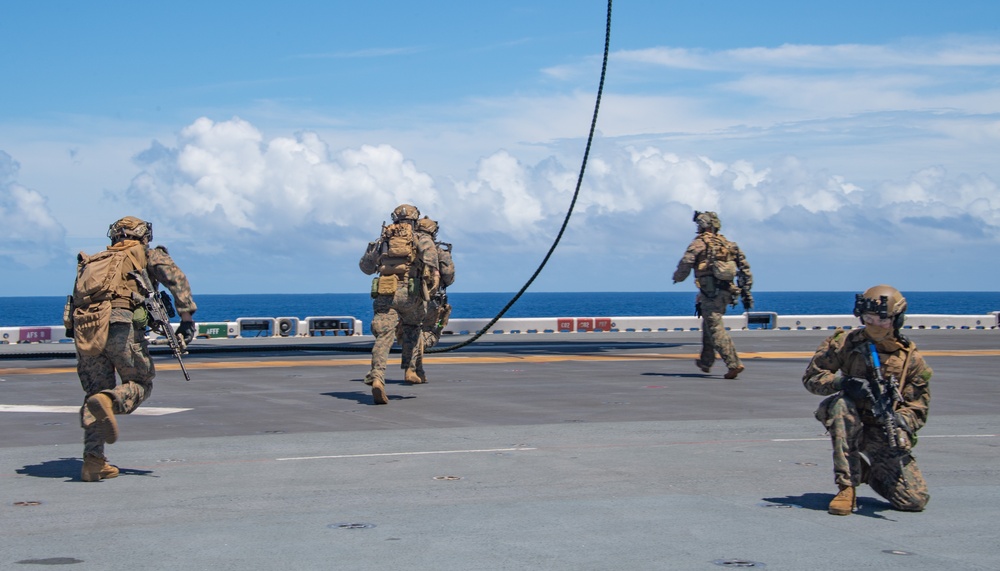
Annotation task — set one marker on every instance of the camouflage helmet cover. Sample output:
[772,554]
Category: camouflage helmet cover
[405,212]
[707,221]
[131,227]
[427,225]
[884,300]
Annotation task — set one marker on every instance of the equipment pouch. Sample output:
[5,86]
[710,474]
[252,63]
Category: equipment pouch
[724,271]
[387,285]
[140,318]
[90,327]
[374,287]
[68,316]
[411,287]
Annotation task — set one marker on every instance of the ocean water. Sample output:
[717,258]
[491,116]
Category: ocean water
[40,311]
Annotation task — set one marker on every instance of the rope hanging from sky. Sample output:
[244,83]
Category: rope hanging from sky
[569,212]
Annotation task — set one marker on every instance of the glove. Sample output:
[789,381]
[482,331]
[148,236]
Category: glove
[747,301]
[432,280]
[902,423]
[857,389]
[186,331]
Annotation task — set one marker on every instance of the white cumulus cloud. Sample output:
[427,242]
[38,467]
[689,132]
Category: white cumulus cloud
[29,234]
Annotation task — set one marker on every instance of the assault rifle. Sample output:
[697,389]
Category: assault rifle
[885,395]
[159,315]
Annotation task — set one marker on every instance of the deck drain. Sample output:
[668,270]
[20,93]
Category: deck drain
[777,505]
[351,525]
[169,460]
[51,561]
[448,478]
[738,563]
[896,552]
[274,432]
[27,504]
[805,463]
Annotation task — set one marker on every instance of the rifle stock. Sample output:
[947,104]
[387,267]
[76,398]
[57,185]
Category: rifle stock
[159,316]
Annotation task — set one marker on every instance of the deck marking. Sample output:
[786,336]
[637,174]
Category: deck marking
[142,411]
[424,453]
[541,359]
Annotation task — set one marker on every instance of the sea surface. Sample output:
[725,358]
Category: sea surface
[41,311]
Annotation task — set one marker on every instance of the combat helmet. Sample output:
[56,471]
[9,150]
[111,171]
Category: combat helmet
[425,224]
[131,228]
[883,300]
[707,221]
[405,212]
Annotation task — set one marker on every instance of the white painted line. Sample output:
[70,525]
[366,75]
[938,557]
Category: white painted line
[408,453]
[141,411]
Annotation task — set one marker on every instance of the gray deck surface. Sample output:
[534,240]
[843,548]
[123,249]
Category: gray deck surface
[561,451]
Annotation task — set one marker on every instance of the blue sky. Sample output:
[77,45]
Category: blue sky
[842,144]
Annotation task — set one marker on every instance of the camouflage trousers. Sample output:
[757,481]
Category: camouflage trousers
[390,312]
[427,337]
[128,354]
[893,475]
[714,337]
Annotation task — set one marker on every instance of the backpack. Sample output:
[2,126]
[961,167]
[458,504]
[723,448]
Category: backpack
[399,249]
[445,264]
[100,279]
[721,257]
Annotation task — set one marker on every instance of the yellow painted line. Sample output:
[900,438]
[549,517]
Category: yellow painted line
[480,360]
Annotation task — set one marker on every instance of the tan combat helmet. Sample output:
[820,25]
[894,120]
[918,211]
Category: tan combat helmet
[405,212]
[425,224]
[131,228]
[884,300]
[707,221]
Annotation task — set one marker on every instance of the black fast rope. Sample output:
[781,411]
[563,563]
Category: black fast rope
[572,204]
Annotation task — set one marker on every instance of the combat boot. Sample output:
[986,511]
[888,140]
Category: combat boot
[96,468]
[370,378]
[844,502]
[378,392]
[413,377]
[100,405]
[704,368]
[733,372]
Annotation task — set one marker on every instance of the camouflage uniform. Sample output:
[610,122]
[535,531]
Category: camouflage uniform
[435,317]
[852,425]
[405,306]
[127,352]
[713,297]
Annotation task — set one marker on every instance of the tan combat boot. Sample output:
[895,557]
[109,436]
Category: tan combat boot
[378,392]
[733,372]
[413,377]
[100,405]
[844,502]
[96,469]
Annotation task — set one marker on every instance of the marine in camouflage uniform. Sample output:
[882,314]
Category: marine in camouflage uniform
[714,295]
[437,308]
[405,305]
[840,368]
[127,353]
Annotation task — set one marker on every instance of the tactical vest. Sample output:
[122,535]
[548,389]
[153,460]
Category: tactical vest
[102,283]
